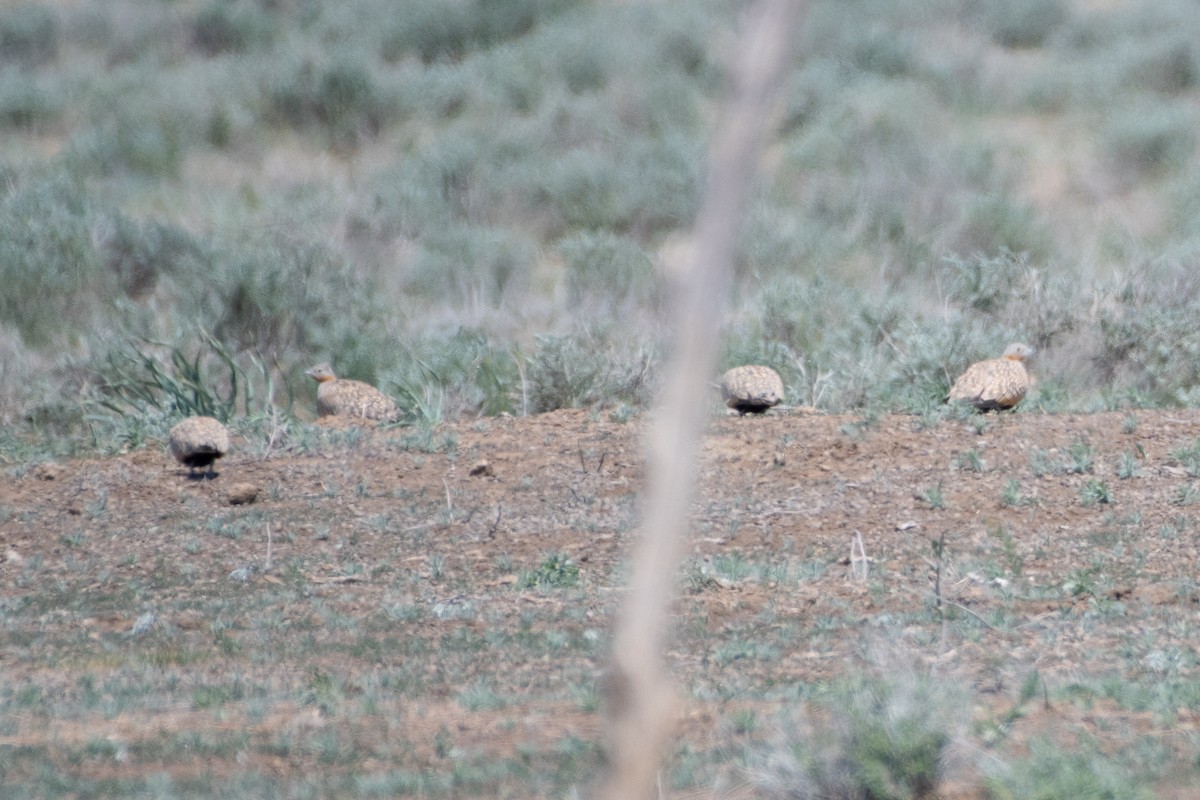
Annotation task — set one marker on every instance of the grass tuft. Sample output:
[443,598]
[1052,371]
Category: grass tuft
[870,738]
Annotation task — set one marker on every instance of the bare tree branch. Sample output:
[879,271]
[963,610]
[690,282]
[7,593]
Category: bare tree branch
[641,697]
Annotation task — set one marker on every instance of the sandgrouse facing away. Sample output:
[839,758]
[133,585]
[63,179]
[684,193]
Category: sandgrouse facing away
[995,384]
[751,389]
[198,442]
[348,398]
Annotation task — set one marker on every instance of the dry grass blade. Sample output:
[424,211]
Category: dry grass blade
[641,704]
[860,564]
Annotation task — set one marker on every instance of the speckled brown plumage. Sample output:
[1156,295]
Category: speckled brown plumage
[751,389]
[349,398]
[995,384]
[198,442]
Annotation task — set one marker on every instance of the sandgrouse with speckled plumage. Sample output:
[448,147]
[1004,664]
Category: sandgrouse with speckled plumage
[349,398]
[198,442]
[995,384]
[751,389]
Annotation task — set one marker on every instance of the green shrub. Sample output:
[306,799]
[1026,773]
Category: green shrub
[646,188]
[1144,344]
[149,140]
[436,30]
[518,79]
[582,369]
[557,571]
[584,188]
[138,253]
[223,27]
[585,64]
[220,127]
[996,224]
[1171,66]
[606,266]
[49,270]
[210,381]
[288,298]
[29,35]
[1149,142]
[473,264]
[457,375]
[872,739]
[1024,23]
[344,94]
[26,102]
[885,52]
[343,98]
[432,30]
[1053,772]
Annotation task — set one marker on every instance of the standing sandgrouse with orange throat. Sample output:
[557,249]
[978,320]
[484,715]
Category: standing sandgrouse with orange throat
[348,398]
[995,384]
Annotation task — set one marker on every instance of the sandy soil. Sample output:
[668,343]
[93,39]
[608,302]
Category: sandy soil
[365,564]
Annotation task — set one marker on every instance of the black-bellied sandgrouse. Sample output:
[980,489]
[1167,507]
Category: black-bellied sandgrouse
[199,442]
[751,389]
[350,398]
[995,384]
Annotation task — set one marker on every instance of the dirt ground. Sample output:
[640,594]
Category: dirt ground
[388,603]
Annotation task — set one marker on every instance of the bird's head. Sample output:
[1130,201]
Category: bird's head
[1018,352]
[321,373]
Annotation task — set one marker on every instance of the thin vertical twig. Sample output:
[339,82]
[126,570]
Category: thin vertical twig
[641,700]
[860,565]
[267,563]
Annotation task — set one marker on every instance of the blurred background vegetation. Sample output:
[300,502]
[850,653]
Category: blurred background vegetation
[479,205]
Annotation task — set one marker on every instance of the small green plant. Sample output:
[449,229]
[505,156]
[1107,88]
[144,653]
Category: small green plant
[1081,582]
[938,546]
[969,461]
[979,423]
[1080,457]
[622,413]
[557,571]
[437,567]
[587,697]
[1095,491]
[1041,463]
[743,721]
[1189,457]
[1011,494]
[135,381]
[1130,423]
[443,743]
[1012,555]
[1127,466]
[992,731]
[481,696]
[1188,494]
[933,496]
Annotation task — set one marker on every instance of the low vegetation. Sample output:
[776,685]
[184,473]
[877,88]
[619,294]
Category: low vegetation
[482,207]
